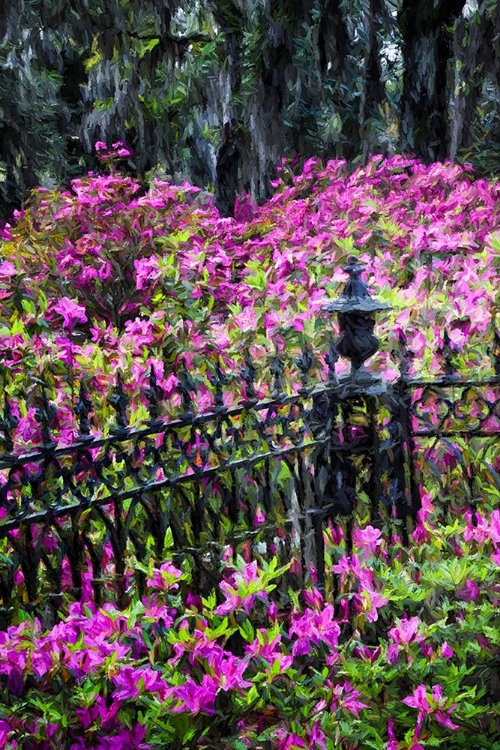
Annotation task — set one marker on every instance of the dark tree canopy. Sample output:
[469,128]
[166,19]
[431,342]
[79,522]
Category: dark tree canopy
[218,91]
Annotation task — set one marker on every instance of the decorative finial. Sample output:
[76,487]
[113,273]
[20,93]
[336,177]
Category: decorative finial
[356,310]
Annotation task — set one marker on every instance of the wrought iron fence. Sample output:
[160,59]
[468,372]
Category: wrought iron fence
[263,476]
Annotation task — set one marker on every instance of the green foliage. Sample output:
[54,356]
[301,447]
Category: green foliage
[177,668]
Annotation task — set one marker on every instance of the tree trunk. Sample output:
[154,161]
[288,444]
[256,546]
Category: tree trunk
[373,93]
[336,56]
[474,46]
[427,51]
[333,39]
[229,167]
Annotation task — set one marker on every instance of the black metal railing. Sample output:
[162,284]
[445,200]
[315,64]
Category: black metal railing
[265,475]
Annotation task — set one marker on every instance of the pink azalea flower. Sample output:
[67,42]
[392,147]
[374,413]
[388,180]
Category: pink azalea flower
[196,698]
[446,652]
[316,627]
[419,700]
[146,270]
[346,696]
[445,720]
[132,681]
[230,671]
[8,269]
[270,650]
[165,577]
[393,743]
[363,652]
[314,598]
[470,592]
[259,517]
[371,602]
[71,312]
[405,632]
[288,740]
[4,231]
[343,568]
[317,737]
[368,539]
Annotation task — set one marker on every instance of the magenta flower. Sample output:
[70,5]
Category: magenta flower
[419,700]
[336,532]
[233,600]
[270,650]
[405,631]
[165,577]
[259,517]
[230,672]
[393,743]
[371,602]
[71,312]
[5,730]
[365,653]
[242,588]
[196,698]
[4,231]
[444,719]
[117,150]
[317,737]
[446,652]
[470,591]
[345,696]
[288,740]
[132,681]
[146,270]
[440,716]
[121,149]
[316,627]
[368,539]
[343,568]
[314,598]
[8,269]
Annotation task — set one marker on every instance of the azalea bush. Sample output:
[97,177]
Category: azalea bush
[404,655]
[111,276]
[401,650]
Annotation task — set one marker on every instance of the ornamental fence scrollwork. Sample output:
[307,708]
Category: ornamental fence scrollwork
[264,475]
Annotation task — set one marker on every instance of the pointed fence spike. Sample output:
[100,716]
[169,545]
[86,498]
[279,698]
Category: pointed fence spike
[446,352]
[404,354]
[119,401]
[331,358]
[220,380]
[153,394]
[186,388]
[45,413]
[495,351]
[305,362]
[8,422]
[249,373]
[277,368]
[82,409]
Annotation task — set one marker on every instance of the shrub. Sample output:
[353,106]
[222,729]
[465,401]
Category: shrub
[405,656]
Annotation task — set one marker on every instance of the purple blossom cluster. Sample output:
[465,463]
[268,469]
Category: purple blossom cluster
[105,277]
[398,652]
[239,664]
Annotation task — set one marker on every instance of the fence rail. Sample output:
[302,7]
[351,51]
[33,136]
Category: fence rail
[269,473]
